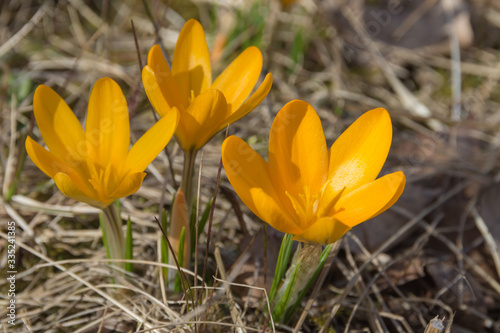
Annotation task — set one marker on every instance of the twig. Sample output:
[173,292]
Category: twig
[488,238]
[184,279]
[232,308]
[98,291]
[408,226]
[409,101]
[25,30]
[9,173]
[211,216]
[456,71]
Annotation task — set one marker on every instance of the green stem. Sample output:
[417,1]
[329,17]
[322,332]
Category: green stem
[187,176]
[113,234]
[296,279]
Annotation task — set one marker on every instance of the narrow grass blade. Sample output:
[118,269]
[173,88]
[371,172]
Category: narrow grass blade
[281,265]
[129,247]
[201,223]
[180,259]
[282,305]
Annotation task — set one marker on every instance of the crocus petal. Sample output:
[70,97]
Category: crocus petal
[297,149]
[255,99]
[238,79]
[248,174]
[145,150]
[70,189]
[49,163]
[160,85]
[191,61]
[61,130]
[370,200]
[325,230]
[358,155]
[130,184]
[107,127]
[201,118]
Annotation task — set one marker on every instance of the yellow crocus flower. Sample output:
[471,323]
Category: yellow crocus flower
[205,107]
[94,166]
[311,192]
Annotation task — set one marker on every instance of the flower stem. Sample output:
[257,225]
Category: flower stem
[113,234]
[304,264]
[187,176]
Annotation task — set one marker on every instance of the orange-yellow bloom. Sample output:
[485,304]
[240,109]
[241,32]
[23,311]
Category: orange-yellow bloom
[308,191]
[94,166]
[205,107]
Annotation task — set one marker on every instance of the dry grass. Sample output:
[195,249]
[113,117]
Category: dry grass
[435,253]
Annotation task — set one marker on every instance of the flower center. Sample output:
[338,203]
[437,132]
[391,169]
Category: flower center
[310,207]
[305,205]
[103,179]
[191,97]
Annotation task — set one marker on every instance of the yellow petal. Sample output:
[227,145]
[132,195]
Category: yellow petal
[200,120]
[297,149]
[371,199]
[49,163]
[130,184]
[145,150]
[247,172]
[255,99]
[191,62]
[159,83]
[61,130]
[238,79]
[358,155]
[157,62]
[107,127]
[324,231]
[69,188]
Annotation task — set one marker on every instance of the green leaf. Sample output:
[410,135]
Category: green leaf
[303,292]
[282,304]
[20,164]
[201,223]
[281,265]
[129,247]
[180,260]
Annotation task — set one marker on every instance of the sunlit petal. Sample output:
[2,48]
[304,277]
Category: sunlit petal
[325,230]
[191,61]
[49,163]
[160,85]
[72,190]
[255,99]
[248,174]
[145,150]
[371,199]
[238,79]
[297,149]
[61,130]
[358,155]
[201,118]
[130,184]
[107,128]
